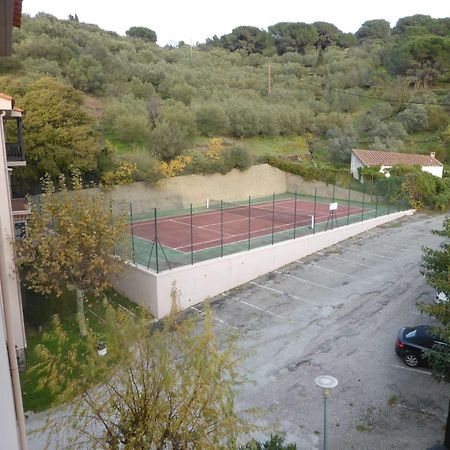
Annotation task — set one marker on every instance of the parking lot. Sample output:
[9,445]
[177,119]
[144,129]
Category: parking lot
[337,312]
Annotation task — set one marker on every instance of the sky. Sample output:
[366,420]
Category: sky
[194,21]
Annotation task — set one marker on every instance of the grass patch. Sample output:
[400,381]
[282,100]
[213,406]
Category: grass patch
[364,428]
[393,401]
[37,325]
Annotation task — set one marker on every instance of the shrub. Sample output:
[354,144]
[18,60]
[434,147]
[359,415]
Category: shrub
[212,119]
[175,166]
[147,167]
[276,442]
[237,158]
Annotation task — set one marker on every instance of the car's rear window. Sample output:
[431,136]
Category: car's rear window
[411,334]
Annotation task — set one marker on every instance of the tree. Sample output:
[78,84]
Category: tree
[374,29]
[247,38]
[340,143]
[59,135]
[414,118]
[142,33]
[70,243]
[86,74]
[328,34]
[436,268]
[293,36]
[171,387]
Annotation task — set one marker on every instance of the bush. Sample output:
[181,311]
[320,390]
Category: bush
[309,173]
[276,442]
[237,158]
[422,189]
[147,167]
[167,140]
[211,119]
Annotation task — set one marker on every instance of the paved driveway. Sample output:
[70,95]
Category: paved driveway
[337,312]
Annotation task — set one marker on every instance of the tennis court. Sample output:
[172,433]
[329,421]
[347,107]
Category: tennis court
[225,223]
[164,239]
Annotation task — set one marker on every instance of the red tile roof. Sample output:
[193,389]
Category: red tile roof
[5,96]
[385,158]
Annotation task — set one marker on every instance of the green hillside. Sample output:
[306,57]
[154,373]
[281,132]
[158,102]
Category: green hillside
[116,107]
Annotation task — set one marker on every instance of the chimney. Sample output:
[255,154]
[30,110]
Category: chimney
[432,154]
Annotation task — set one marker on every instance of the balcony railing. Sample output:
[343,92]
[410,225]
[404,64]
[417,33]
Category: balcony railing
[14,152]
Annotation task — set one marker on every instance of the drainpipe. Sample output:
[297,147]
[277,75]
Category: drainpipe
[17,393]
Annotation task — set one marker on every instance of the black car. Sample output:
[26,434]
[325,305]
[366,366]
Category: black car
[412,341]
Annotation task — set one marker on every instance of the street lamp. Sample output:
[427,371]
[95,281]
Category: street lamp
[326,382]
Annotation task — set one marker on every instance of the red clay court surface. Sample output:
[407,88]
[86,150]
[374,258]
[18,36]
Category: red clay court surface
[175,231]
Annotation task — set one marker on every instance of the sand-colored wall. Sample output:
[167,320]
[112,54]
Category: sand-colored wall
[257,181]
[180,192]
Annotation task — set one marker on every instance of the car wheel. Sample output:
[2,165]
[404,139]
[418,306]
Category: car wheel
[411,360]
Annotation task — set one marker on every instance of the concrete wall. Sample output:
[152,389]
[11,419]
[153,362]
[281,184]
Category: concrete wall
[180,192]
[437,171]
[355,164]
[258,181]
[206,279]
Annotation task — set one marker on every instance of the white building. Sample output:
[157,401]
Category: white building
[386,159]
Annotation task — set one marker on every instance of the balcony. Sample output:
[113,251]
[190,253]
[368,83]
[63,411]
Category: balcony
[15,154]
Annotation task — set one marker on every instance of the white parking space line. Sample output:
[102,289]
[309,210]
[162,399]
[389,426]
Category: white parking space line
[363,251]
[254,306]
[333,271]
[283,293]
[305,280]
[214,317]
[411,370]
[348,260]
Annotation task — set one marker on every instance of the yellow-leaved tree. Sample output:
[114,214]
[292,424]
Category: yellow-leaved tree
[71,243]
[169,385]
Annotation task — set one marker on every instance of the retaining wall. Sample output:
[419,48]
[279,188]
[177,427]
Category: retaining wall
[207,279]
[257,181]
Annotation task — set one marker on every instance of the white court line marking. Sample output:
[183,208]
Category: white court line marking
[214,317]
[331,270]
[254,306]
[348,260]
[410,369]
[304,279]
[283,293]
[363,251]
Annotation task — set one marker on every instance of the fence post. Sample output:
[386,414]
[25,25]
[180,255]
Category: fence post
[249,221]
[221,228]
[273,217]
[363,202]
[389,198]
[192,238]
[295,213]
[315,210]
[132,232]
[348,201]
[376,200]
[156,240]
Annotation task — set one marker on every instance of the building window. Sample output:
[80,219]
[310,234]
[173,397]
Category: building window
[20,229]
